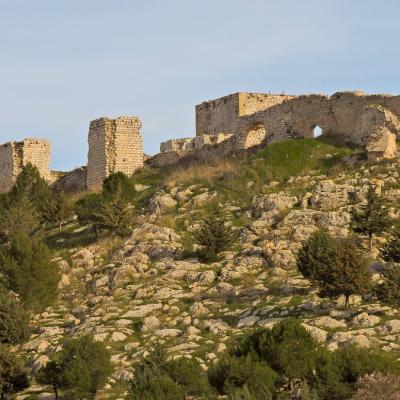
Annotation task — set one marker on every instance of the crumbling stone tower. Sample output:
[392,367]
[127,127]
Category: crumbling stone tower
[115,145]
[14,155]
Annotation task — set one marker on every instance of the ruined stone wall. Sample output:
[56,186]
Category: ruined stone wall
[115,145]
[72,181]
[14,155]
[342,114]
[247,120]
[222,115]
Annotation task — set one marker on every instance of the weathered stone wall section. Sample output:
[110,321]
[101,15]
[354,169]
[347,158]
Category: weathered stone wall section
[337,115]
[15,155]
[222,115]
[115,145]
[72,181]
[249,119]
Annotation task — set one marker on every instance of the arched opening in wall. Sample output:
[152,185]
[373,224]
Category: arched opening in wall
[317,131]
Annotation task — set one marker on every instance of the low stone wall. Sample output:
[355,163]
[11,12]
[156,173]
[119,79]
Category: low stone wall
[71,182]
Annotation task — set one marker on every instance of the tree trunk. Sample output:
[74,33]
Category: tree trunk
[56,392]
[370,241]
[346,303]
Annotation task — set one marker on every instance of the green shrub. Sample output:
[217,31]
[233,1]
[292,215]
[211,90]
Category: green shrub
[80,369]
[86,207]
[20,217]
[288,349]
[389,290]
[189,376]
[159,387]
[391,250]
[157,378]
[243,376]
[14,320]
[214,235]
[286,362]
[59,208]
[336,266]
[12,375]
[30,272]
[118,181]
[115,215]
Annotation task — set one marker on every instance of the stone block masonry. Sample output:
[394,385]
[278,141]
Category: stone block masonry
[15,155]
[115,145]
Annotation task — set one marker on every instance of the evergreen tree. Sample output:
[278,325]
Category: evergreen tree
[29,183]
[115,216]
[80,369]
[30,272]
[157,378]
[391,250]
[336,266]
[21,217]
[12,375]
[373,217]
[118,181]
[389,290]
[87,207]
[14,320]
[58,209]
[214,235]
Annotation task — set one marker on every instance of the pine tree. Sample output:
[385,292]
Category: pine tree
[81,368]
[21,217]
[29,183]
[30,272]
[115,216]
[391,250]
[336,266]
[214,235]
[14,320]
[373,217]
[12,375]
[58,209]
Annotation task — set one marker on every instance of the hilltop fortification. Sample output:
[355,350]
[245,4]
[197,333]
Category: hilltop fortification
[224,127]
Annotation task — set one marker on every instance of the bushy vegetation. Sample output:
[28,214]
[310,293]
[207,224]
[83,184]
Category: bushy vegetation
[79,370]
[14,320]
[157,378]
[111,211]
[336,266]
[12,374]
[30,272]
[288,360]
[214,235]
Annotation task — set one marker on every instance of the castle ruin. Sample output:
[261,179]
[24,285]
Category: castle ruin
[243,120]
[115,145]
[224,126]
[14,155]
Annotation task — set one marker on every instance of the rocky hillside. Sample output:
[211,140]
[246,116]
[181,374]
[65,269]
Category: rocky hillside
[150,288]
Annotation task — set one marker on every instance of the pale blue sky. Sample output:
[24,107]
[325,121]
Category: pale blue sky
[66,62]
